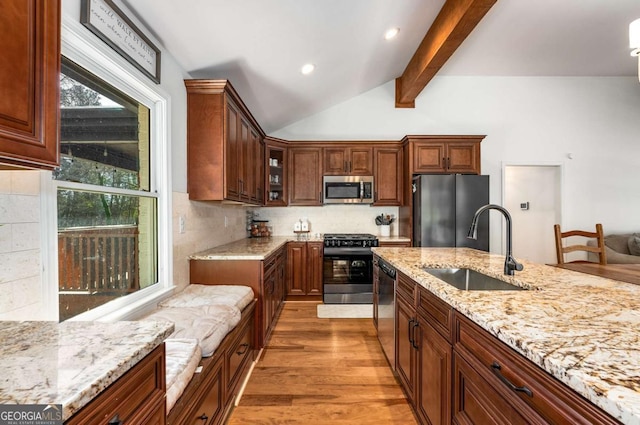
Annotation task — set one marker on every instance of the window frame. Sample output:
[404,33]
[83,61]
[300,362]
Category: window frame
[83,48]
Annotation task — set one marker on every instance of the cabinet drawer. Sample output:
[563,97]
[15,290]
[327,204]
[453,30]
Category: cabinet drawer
[270,262]
[133,396]
[475,401]
[240,353]
[205,405]
[438,313]
[498,363]
[405,287]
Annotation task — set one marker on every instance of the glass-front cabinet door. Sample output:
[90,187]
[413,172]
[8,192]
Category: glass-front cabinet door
[276,174]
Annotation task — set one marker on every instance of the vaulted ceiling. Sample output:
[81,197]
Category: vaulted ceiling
[261,45]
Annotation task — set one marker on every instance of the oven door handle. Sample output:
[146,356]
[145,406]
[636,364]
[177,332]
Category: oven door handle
[344,252]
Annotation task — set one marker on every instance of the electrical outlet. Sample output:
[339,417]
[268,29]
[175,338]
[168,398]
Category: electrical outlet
[181,224]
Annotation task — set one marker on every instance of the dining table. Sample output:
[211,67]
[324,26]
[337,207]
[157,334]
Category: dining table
[622,272]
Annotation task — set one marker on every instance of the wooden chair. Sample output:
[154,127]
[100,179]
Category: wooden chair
[599,249]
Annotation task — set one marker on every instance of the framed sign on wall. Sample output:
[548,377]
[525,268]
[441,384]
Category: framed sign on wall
[111,25]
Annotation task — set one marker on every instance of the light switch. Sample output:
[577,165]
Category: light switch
[181,224]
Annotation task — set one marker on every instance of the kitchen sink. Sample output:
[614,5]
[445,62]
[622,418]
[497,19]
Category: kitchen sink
[471,280]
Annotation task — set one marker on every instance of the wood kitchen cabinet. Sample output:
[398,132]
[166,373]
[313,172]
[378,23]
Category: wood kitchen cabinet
[304,270]
[305,176]
[424,353]
[137,397]
[394,244]
[453,371]
[387,172]
[445,155]
[225,153]
[276,163]
[30,83]
[493,384]
[348,160]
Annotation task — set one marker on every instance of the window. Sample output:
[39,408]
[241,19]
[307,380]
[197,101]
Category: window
[108,202]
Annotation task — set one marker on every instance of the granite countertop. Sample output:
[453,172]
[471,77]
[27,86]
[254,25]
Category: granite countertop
[69,363]
[394,239]
[261,248]
[250,248]
[582,329]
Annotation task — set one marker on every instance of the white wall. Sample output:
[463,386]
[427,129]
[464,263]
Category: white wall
[534,119]
[171,81]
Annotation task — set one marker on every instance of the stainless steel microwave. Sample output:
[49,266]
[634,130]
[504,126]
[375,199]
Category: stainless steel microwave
[347,189]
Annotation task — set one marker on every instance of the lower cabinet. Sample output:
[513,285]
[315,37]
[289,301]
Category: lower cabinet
[453,371]
[273,290]
[423,353]
[304,269]
[493,381]
[137,397]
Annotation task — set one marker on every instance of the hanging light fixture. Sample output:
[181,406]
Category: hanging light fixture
[634,41]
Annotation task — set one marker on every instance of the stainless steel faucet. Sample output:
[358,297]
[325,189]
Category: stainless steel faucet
[510,263]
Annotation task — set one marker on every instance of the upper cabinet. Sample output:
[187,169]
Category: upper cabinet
[351,160]
[445,154]
[305,176]
[276,176]
[387,173]
[225,150]
[29,83]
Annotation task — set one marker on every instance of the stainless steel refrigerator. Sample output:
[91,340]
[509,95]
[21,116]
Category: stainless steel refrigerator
[443,207]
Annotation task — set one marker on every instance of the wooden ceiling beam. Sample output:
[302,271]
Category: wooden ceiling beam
[454,23]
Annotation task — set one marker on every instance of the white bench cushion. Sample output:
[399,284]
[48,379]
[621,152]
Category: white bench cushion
[208,324]
[182,357]
[195,295]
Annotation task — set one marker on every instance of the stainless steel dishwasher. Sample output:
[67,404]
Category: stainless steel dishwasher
[386,310]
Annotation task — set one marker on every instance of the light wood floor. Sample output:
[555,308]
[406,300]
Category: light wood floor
[322,371]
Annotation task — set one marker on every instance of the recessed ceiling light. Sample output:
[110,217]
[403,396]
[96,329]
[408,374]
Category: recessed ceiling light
[307,68]
[391,33]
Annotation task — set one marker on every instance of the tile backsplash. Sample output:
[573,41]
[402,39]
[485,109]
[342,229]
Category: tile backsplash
[20,241]
[206,225]
[328,219]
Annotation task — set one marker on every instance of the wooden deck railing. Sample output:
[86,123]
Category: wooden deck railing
[98,260]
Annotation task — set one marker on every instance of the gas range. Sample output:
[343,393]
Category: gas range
[348,268]
[350,240]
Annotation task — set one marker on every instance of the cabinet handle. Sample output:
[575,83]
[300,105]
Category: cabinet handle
[203,417]
[448,162]
[243,349]
[345,167]
[410,331]
[413,342]
[115,420]
[496,370]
